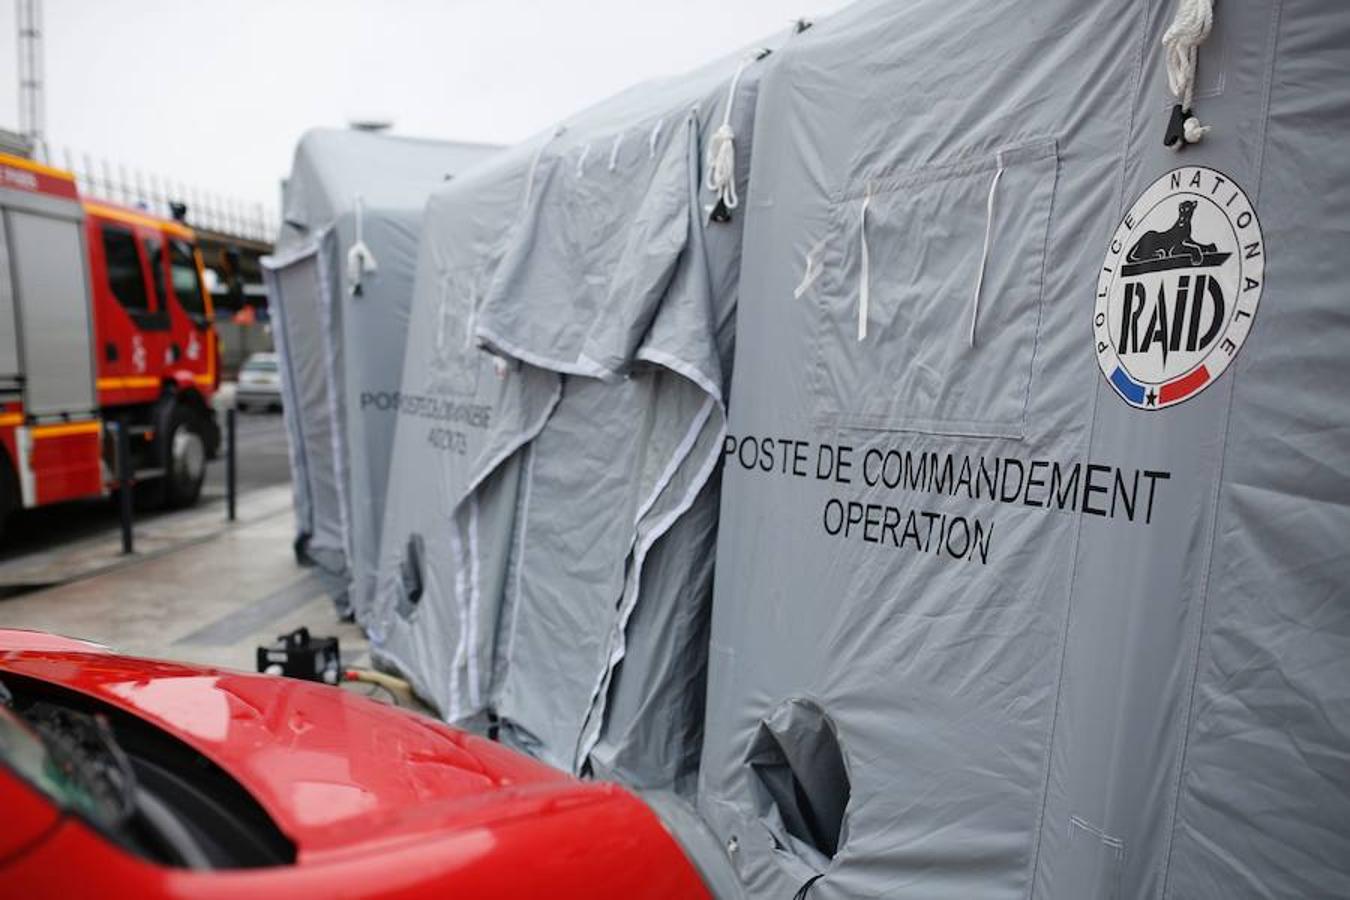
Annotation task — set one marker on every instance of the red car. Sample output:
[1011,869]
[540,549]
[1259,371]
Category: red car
[138,778]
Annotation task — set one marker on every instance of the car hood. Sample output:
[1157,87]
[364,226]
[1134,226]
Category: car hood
[332,768]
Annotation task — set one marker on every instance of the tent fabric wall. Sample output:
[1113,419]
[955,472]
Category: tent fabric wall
[989,618]
[602,452]
[584,265]
[425,622]
[296,282]
[1136,690]
[345,184]
[635,434]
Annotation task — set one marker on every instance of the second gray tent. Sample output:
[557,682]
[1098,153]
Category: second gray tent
[340,285]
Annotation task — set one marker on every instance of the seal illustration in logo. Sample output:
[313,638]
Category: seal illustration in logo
[1179,288]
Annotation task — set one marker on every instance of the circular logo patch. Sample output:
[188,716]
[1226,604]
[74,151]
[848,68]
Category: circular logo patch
[1179,288]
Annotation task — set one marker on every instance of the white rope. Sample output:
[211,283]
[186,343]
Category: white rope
[360,260]
[581,160]
[865,265]
[1181,41]
[812,271]
[984,253]
[720,162]
[614,152]
[655,135]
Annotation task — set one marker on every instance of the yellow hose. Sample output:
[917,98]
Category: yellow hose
[400,689]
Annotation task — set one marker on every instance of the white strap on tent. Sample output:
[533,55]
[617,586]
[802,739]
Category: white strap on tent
[1189,28]
[470,338]
[812,270]
[614,152]
[721,156]
[654,137]
[360,261]
[581,160]
[865,267]
[984,253]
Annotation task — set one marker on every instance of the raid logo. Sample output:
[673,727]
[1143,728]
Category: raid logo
[1179,288]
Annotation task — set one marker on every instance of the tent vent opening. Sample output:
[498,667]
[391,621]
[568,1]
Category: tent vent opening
[411,575]
[800,773]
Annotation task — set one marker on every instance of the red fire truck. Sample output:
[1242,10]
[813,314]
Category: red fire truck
[103,318]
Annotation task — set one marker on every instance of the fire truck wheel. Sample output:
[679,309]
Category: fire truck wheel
[187,457]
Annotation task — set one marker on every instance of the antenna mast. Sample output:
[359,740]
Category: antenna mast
[32,119]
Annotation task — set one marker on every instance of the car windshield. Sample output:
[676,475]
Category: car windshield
[24,751]
[260,365]
[132,782]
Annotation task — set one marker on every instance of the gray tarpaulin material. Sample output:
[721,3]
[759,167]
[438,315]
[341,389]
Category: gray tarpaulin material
[442,565]
[1033,533]
[585,433]
[342,314]
[297,277]
[608,285]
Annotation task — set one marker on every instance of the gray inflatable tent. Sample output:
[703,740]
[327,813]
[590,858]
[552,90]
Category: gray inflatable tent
[427,623]
[1032,576]
[341,318]
[563,417]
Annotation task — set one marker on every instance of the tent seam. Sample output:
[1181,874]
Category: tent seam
[523,513]
[1067,625]
[537,360]
[341,469]
[617,634]
[1217,495]
[475,696]
[271,266]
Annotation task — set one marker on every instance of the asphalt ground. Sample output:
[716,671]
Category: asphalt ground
[262,463]
[198,588]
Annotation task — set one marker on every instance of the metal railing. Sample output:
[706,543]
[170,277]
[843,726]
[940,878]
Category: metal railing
[100,179]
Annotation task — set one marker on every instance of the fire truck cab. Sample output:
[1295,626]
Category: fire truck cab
[104,318]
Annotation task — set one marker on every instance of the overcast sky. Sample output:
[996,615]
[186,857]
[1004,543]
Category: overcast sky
[216,93]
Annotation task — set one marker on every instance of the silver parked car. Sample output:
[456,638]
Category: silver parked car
[259,383]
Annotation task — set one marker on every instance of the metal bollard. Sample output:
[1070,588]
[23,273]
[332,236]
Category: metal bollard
[122,461]
[230,473]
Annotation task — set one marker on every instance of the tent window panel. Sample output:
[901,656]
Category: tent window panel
[928,305]
[412,575]
[801,781]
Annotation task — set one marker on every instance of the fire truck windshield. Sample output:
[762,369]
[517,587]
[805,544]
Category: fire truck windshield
[187,286]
